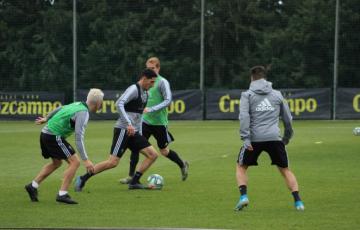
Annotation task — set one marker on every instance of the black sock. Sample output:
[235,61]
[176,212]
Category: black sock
[175,158]
[296,195]
[134,159]
[136,178]
[243,189]
[86,176]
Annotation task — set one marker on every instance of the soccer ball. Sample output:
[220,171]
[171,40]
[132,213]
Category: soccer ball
[155,181]
[356,131]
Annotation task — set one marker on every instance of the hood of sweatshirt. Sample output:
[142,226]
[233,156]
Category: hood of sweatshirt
[261,86]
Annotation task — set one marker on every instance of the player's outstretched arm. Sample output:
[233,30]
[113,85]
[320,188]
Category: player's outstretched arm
[42,120]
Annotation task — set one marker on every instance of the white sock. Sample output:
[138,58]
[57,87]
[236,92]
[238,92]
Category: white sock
[61,192]
[34,184]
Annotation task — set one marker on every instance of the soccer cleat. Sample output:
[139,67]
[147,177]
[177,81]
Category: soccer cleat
[79,184]
[136,186]
[185,171]
[299,205]
[33,193]
[243,202]
[125,180]
[65,199]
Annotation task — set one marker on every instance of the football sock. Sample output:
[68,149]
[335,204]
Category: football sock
[136,178]
[296,195]
[61,193]
[86,177]
[173,156]
[34,184]
[242,189]
[134,159]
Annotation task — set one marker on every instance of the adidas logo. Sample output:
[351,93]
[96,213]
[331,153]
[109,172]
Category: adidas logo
[265,105]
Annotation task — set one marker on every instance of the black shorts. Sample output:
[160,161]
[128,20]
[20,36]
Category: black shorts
[121,141]
[57,147]
[275,149]
[160,133]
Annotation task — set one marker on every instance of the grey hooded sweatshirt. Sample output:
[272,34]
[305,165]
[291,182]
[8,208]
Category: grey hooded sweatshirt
[260,109]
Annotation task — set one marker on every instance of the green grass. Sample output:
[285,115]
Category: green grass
[328,174]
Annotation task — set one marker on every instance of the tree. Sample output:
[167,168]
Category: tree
[294,39]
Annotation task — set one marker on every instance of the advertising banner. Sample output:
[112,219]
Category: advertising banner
[222,104]
[28,105]
[348,103]
[309,103]
[303,103]
[186,105]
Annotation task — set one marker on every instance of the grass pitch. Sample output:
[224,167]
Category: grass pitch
[324,155]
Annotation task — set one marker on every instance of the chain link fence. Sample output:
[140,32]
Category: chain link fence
[293,39]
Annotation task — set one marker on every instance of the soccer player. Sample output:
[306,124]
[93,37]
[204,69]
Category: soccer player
[61,123]
[127,132]
[260,109]
[155,121]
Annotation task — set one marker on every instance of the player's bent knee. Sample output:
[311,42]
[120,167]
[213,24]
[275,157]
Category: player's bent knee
[57,163]
[74,161]
[164,152]
[150,153]
[153,156]
[284,171]
[112,163]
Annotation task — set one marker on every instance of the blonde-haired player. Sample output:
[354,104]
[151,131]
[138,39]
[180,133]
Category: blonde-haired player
[61,123]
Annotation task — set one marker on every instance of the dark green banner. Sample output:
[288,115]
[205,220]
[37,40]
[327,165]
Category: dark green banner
[348,103]
[222,104]
[28,105]
[303,103]
[309,103]
[186,105]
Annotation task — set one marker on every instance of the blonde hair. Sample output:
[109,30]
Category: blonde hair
[95,95]
[155,61]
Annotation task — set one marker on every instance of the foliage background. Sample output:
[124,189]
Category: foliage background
[295,39]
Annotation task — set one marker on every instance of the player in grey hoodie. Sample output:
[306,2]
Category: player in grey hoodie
[260,109]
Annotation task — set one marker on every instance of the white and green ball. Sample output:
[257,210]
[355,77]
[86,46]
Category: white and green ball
[356,131]
[155,181]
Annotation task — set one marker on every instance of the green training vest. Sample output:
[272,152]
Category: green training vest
[159,117]
[60,124]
